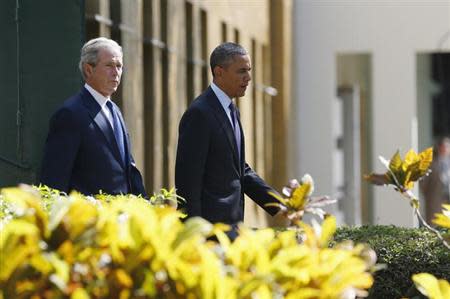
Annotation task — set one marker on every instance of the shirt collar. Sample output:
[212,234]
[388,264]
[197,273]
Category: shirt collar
[224,99]
[101,100]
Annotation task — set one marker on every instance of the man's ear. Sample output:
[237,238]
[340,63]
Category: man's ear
[217,71]
[88,69]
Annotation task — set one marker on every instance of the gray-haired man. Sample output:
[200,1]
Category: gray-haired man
[88,147]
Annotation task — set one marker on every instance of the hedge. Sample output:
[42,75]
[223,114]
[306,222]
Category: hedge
[404,252]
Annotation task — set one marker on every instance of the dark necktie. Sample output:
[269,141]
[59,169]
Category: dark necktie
[236,130]
[118,133]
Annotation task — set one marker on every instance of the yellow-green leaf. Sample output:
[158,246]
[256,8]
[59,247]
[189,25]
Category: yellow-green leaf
[80,293]
[396,162]
[443,219]
[430,286]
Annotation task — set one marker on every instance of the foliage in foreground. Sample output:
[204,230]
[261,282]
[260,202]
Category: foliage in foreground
[431,286]
[58,246]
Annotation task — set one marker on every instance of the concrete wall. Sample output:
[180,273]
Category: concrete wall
[392,33]
[240,14]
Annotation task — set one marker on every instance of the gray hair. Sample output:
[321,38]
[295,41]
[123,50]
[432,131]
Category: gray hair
[89,52]
[224,54]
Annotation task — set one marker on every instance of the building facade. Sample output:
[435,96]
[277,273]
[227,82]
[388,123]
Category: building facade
[368,77]
[166,46]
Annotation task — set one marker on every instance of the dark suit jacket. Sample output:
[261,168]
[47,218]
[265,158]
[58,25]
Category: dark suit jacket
[209,173]
[81,152]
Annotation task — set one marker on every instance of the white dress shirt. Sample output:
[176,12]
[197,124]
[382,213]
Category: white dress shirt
[101,100]
[224,100]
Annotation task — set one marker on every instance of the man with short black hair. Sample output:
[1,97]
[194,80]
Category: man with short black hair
[88,147]
[211,172]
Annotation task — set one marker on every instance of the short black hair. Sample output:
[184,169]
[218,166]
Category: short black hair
[223,54]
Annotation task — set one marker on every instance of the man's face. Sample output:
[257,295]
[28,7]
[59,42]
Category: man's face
[105,76]
[233,79]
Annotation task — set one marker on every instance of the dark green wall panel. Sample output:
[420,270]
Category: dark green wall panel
[41,62]
[8,80]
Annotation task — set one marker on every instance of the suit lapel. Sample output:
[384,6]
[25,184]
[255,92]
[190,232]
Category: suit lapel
[102,122]
[222,117]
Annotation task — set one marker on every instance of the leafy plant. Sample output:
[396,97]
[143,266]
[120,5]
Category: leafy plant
[299,200]
[402,174]
[61,246]
[271,263]
[166,197]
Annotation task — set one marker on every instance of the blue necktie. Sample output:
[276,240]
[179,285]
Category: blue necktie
[237,131]
[118,133]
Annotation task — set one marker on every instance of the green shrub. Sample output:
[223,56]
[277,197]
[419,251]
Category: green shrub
[404,251]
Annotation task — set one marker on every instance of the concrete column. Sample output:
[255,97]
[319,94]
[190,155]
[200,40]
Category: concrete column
[105,28]
[280,40]
[268,116]
[258,110]
[259,121]
[246,109]
[153,95]
[98,13]
[132,92]
[176,84]
[197,51]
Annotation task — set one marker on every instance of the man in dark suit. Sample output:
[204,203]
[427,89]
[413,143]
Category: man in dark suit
[211,172]
[88,147]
